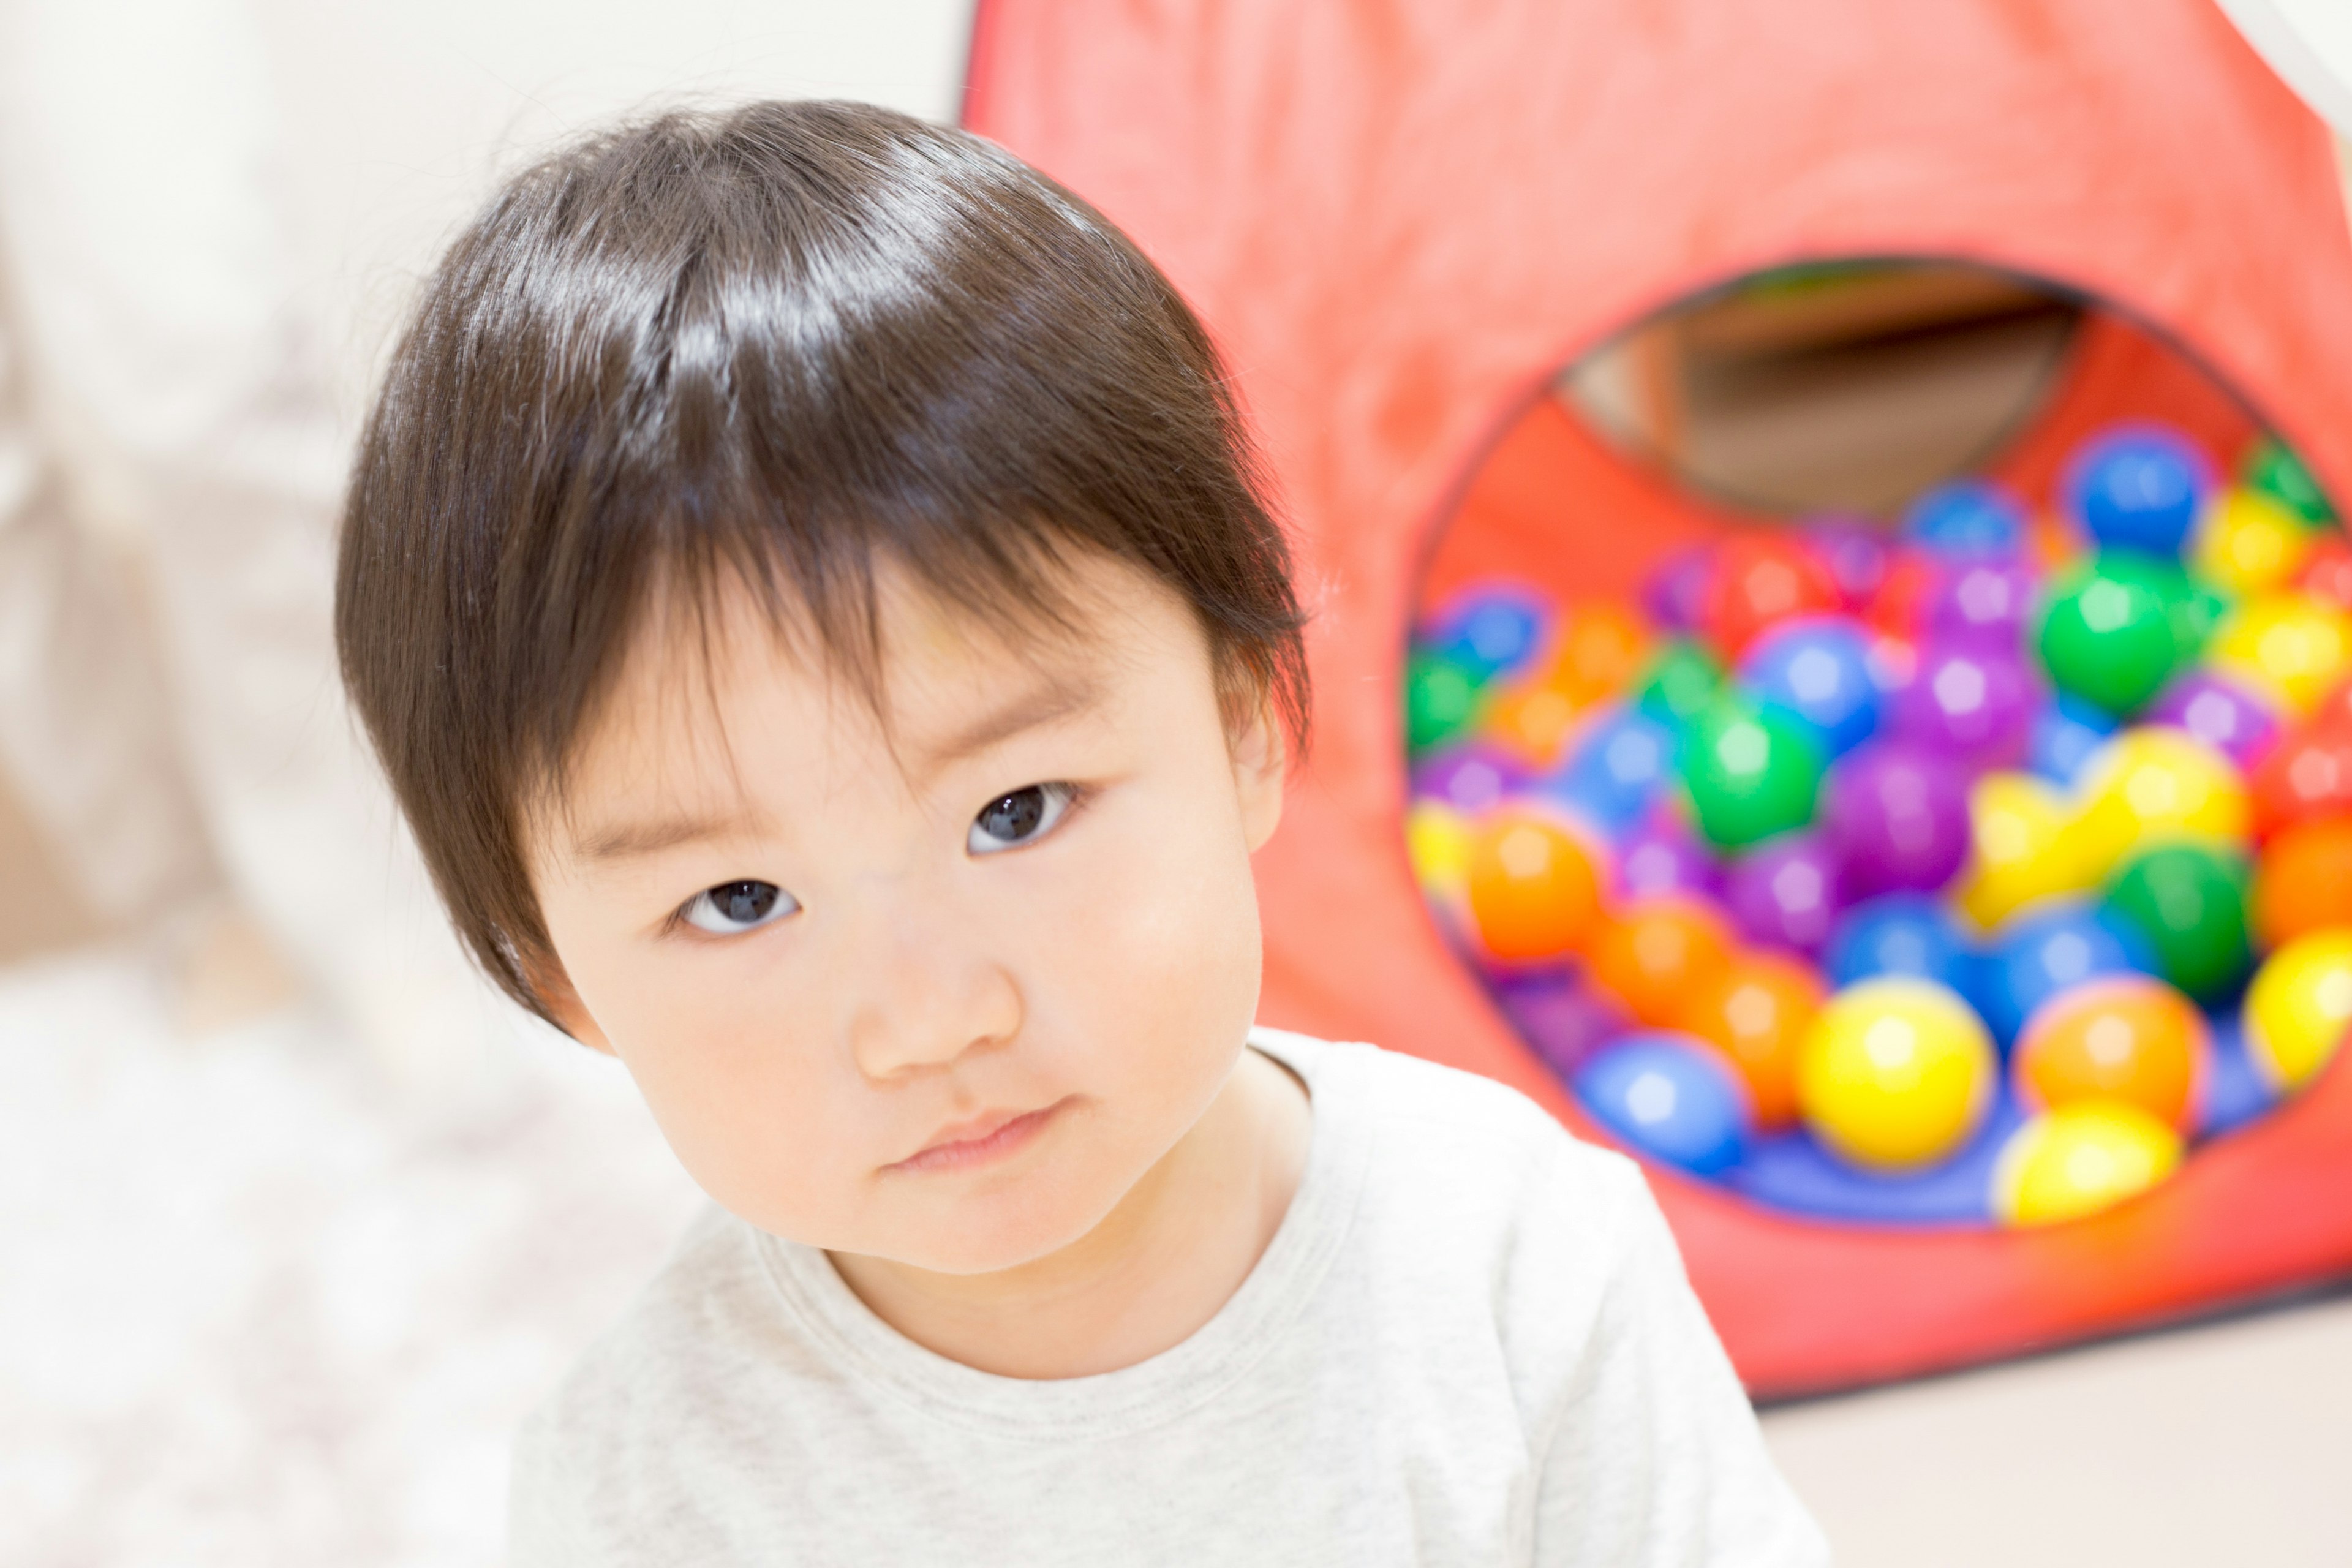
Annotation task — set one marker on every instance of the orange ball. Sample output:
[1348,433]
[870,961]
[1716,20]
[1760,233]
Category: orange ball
[1755,1013]
[2303,880]
[1657,954]
[1604,646]
[1533,891]
[1533,723]
[2128,1039]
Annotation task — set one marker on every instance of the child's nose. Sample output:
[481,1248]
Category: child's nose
[923,993]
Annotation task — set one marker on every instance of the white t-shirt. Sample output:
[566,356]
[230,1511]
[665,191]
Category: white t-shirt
[1469,1341]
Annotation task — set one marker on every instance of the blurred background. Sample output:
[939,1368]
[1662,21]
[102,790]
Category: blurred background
[295,1220]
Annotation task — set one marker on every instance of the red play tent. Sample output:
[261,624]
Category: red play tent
[1401,217]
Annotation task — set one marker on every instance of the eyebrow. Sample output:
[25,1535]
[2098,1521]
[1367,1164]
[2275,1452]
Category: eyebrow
[1048,703]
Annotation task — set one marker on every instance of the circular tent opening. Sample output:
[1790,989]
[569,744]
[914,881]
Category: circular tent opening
[1874,731]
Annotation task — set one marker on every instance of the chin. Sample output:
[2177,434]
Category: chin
[990,1234]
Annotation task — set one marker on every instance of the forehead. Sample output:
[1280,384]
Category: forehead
[710,682]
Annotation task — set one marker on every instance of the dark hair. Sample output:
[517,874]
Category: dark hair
[764,346]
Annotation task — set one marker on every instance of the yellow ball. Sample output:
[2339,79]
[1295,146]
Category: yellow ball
[1437,839]
[2154,785]
[2023,848]
[2292,646]
[2079,1159]
[2249,543]
[1895,1073]
[2299,1005]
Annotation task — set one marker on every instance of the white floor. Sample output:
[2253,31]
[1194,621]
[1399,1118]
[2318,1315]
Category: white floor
[255,1310]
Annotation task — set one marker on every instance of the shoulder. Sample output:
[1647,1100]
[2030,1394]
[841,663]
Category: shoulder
[635,1414]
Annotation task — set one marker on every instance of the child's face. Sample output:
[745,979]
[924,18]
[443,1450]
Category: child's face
[941,996]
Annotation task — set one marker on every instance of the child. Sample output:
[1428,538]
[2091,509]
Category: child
[807,582]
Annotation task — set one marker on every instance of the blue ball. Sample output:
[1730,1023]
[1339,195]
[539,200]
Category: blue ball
[1671,1098]
[1969,520]
[1818,672]
[1616,771]
[2138,486]
[2043,955]
[1899,933]
[2064,734]
[1491,631]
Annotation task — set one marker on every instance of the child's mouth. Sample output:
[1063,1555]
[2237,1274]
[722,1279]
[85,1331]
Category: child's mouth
[980,1139]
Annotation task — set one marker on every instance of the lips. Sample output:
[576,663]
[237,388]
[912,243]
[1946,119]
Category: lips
[979,1140]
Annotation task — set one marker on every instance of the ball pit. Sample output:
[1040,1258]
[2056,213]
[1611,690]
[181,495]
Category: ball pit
[1971,869]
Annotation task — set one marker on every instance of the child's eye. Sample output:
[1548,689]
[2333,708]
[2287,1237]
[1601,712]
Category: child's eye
[1011,820]
[733,906]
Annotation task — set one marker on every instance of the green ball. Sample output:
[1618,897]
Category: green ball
[1749,773]
[2195,610]
[2189,902]
[2273,469]
[1441,700]
[2113,631]
[1683,683]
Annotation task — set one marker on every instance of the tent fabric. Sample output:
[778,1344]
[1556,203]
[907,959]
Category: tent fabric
[1400,217]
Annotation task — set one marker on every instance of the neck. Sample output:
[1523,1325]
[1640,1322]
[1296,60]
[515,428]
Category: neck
[1159,1265]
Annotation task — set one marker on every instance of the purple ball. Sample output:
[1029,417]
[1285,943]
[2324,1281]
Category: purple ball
[1468,778]
[1853,551]
[1676,592]
[1897,817]
[1968,704]
[1984,604]
[1563,1016]
[1661,856]
[2219,712]
[1785,893]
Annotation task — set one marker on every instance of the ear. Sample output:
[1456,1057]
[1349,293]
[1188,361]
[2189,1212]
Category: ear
[1261,764]
[563,1004]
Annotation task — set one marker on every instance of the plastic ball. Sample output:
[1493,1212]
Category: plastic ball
[1532,720]
[1758,1013]
[2303,883]
[2152,786]
[1533,893]
[1854,551]
[2288,645]
[1566,1019]
[1984,604]
[2296,1010]
[1750,774]
[1470,778]
[1817,672]
[1601,649]
[1894,1074]
[2327,571]
[2219,712]
[1437,841]
[2273,469]
[2022,850]
[1898,934]
[1655,953]
[2129,1039]
[1674,592]
[1616,770]
[1681,681]
[1669,1097]
[2108,634]
[1898,816]
[1784,892]
[2188,903]
[2306,776]
[1441,700]
[1899,609]
[1659,855]
[2137,487]
[1969,703]
[2249,542]
[1966,520]
[1760,581]
[1491,630]
[2065,731]
[2040,955]
[2073,1162]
